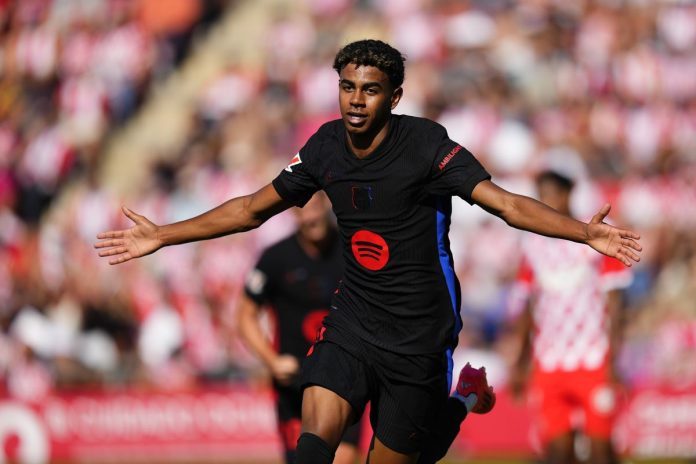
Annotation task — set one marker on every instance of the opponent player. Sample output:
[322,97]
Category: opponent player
[394,320]
[569,327]
[296,278]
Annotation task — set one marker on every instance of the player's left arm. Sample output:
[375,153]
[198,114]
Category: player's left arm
[615,309]
[528,214]
[283,367]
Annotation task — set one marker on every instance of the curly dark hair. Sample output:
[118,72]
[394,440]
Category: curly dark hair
[560,180]
[375,53]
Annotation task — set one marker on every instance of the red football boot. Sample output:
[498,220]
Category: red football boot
[473,390]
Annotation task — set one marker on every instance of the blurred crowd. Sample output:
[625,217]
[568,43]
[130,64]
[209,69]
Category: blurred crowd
[600,90]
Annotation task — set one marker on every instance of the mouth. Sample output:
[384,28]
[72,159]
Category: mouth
[355,118]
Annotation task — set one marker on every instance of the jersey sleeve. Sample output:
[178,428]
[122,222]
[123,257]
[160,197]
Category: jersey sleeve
[297,183]
[455,171]
[257,285]
[614,274]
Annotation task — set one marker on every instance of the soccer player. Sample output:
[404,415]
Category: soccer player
[295,277]
[569,327]
[394,319]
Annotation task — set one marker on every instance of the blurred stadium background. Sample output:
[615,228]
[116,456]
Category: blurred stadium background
[173,106]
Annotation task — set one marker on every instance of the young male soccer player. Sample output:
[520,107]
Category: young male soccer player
[296,278]
[569,328]
[395,316]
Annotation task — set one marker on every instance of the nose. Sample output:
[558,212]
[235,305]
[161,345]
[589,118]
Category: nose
[357,98]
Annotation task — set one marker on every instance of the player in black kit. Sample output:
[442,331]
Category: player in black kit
[296,278]
[394,321]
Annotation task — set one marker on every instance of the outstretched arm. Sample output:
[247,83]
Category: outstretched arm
[528,214]
[235,215]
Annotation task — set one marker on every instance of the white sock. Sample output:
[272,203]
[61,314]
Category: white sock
[469,400]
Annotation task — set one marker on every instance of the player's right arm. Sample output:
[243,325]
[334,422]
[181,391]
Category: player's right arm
[522,328]
[236,215]
[283,367]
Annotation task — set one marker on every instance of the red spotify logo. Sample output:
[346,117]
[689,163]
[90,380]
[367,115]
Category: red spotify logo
[370,250]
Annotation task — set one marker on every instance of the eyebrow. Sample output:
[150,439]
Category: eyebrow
[366,84]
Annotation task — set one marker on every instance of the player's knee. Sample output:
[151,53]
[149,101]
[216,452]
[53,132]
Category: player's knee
[325,415]
[346,454]
[312,449]
[329,431]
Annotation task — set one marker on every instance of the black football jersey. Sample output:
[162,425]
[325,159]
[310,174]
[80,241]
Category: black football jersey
[297,288]
[398,290]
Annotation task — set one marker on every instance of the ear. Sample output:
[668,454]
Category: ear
[396,96]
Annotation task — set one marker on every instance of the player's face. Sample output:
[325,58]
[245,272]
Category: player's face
[366,97]
[554,196]
[313,219]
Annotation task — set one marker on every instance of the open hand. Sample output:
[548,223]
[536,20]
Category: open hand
[124,245]
[612,241]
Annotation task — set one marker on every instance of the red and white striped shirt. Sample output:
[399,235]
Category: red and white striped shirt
[569,283]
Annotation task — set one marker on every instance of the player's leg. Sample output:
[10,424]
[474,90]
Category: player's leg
[559,450]
[346,454]
[472,394]
[348,451]
[289,434]
[443,432]
[411,394]
[289,410]
[599,401]
[334,396]
[550,398]
[602,451]
[382,454]
[325,416]
[290,430]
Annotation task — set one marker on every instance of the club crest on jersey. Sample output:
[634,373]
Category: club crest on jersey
[362,197]
[294,162]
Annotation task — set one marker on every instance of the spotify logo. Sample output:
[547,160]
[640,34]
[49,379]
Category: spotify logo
[370,250]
